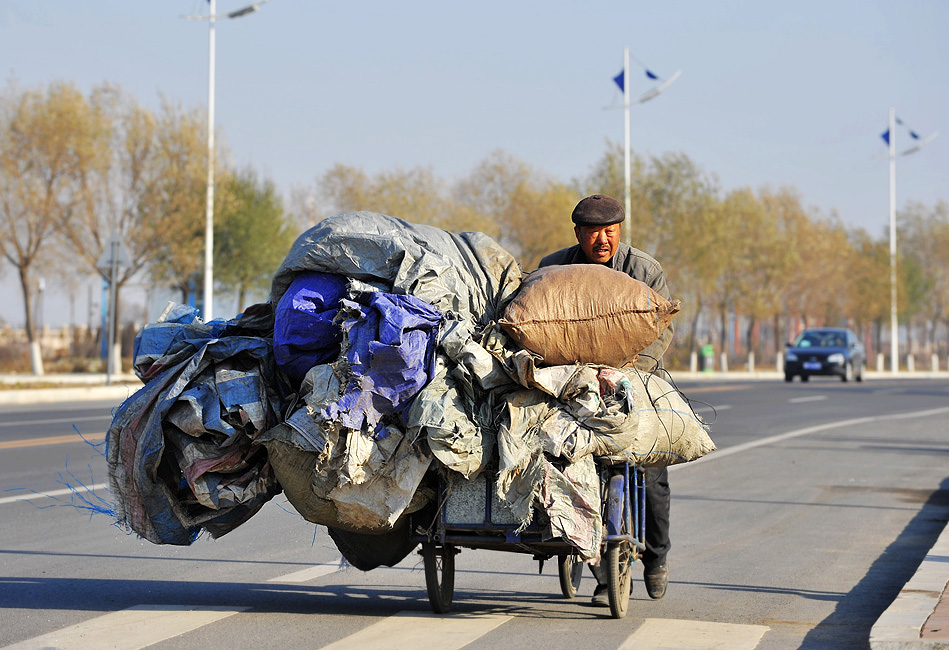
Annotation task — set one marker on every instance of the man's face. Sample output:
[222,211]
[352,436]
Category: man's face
[598,243]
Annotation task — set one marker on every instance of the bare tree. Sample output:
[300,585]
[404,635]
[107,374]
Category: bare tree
[48,140]
[171,213]
[416,195]
[253,234]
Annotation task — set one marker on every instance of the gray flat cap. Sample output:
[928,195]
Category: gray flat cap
[598,210]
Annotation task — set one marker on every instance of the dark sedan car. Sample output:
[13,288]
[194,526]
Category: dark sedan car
[825,351]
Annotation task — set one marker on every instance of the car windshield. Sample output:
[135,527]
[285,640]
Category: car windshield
[818,339]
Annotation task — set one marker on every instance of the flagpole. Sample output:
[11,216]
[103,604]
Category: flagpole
[626,171]
[894,324]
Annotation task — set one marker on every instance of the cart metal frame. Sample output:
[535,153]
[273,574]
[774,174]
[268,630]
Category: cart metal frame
[623,498]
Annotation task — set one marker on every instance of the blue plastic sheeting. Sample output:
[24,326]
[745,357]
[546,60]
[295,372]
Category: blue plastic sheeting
[304,333]
[160,345]
[182,450]
[391,354]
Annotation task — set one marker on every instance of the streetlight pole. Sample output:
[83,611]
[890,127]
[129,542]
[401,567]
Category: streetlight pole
[894,322]
[209,211]
[209,208]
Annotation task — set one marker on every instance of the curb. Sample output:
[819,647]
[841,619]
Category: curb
[900,627]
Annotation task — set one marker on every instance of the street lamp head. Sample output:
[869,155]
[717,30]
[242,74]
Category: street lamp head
[244,11]
[921,144]
[237,13]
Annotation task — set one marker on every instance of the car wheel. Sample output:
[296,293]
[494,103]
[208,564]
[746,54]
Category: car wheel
[848,372]
[804,377]
[788,378]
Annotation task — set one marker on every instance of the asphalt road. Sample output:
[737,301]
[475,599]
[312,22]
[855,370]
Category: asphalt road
[820,503]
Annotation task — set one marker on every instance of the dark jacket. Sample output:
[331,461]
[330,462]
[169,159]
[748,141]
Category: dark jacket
[638,265]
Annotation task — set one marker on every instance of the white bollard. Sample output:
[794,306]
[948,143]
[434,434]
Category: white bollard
[751,362]
[934,362]
[910,363]
[36,358]
[694,361]
[779,363]
[723,361]
[879,362]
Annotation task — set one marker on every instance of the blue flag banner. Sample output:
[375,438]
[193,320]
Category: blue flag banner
[620,78]
[886,134]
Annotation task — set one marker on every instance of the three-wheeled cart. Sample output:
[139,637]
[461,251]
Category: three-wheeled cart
[470,515]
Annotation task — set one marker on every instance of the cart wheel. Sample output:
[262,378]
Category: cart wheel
[439,575]
[619,555]
[619,577]
[571,571]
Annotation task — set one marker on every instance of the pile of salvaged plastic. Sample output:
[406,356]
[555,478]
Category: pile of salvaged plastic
[376,363]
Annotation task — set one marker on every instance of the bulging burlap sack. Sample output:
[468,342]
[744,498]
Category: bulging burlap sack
[586,313]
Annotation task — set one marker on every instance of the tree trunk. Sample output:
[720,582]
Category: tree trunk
[779,338]
[750,334]
[36,356]
[241,297]
[695,325]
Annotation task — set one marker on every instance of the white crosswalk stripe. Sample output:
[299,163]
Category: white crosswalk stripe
[307,574]
[672,634]
[414,630]
[129,629]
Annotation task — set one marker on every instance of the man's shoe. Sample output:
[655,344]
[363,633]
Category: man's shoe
[656,580]
[600,597]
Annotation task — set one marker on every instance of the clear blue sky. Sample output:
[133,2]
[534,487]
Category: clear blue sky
[779,93]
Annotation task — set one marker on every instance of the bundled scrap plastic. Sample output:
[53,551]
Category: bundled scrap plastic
[377,362]
[181,451]
[353,456]
[576,413]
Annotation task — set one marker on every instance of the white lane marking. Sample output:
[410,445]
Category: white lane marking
[812,398]
[737,449]
[129,629]
[55,493]
[307,574]
[673,634]
[414,630]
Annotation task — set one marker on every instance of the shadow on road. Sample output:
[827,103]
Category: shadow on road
[859,609]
